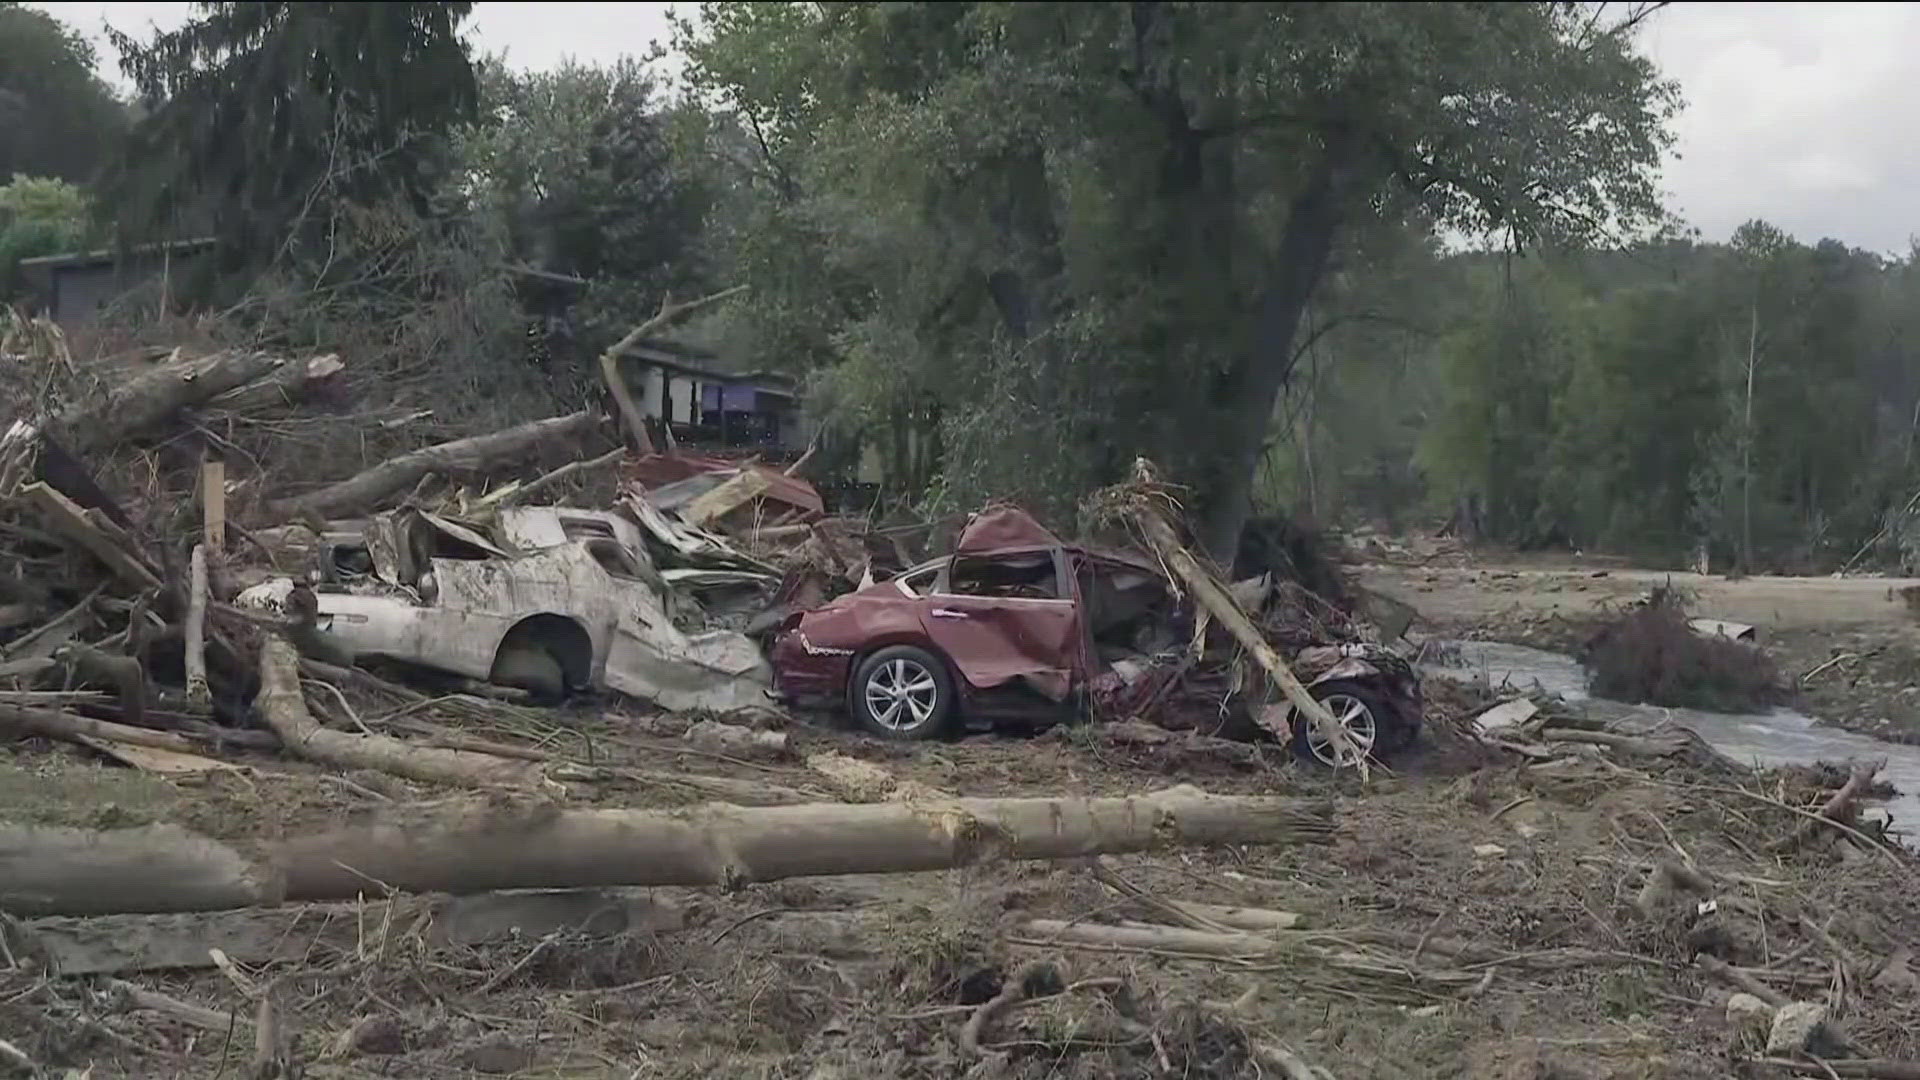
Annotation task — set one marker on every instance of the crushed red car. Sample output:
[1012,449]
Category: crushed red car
[1017,624]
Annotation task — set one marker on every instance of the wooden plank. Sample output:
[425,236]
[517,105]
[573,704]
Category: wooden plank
[213,504]
[65,517]
[723,500]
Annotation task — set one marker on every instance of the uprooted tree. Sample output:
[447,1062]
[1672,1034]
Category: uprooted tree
[1113,216]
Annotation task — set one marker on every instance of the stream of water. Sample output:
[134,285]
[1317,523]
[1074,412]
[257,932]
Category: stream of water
[1780,737]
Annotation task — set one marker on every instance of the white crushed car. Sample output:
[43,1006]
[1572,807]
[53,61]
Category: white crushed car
[555,600]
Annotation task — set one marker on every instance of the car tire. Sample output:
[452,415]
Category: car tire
[903,692]
[1369,720]
[533,669]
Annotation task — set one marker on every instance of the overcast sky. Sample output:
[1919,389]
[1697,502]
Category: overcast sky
[1796,112]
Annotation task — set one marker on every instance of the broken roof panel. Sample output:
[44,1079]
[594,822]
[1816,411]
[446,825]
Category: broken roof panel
[655,472]
[1003,527]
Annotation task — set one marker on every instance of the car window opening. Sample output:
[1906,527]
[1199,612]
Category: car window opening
[920,582]
[1023,577]
[613,558]
[1129,613]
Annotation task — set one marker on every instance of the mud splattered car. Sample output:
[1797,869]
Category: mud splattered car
[1017,624]
[553,600]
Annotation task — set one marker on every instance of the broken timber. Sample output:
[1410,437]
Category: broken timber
[1214,598]
[630,417]
[93,531]
[138,407]
[395,475]
[284,708]
[48,871]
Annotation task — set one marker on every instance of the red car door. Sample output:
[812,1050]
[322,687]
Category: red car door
[1008,618]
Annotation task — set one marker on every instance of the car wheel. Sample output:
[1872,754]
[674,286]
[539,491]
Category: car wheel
[1363,714]
[903,692]
[533,669]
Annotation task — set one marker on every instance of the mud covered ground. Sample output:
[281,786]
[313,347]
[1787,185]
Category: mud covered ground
[1474,916]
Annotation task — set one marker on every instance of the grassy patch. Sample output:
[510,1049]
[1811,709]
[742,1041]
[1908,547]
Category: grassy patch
[1648,654]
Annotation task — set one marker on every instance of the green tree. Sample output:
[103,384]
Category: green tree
[56,117]
[1126,209]
[38,216]
[579,165]
[1629,427]
[263,117]
[1502,367]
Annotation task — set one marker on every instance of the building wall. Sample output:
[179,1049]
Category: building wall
[680,407]
[78,292]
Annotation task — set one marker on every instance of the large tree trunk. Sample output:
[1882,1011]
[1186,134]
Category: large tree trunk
[1248,395]
[55,871]
[366,489]
[729,846]
[478,849]
[141,404]
[289,385]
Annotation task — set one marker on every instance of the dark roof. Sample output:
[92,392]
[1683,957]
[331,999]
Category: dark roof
[669,352]
[109,256]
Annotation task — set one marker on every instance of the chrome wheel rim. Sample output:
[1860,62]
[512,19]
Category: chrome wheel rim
[901,694]
[1352,714]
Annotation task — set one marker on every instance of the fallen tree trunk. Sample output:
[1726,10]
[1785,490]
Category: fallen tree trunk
[526,491]
[1865,1068]
[1213,597]
[730,846]
[1629,744]
[483,848]
[56,871]
[744,792]
[95,532]
[284,708]
[1835,808]
[26,720]
[288,384]
[141,405]
[366,489]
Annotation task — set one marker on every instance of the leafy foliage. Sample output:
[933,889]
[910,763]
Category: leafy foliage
[1092,230]
[579,165]
[57,118]
[39,216]
[255,109]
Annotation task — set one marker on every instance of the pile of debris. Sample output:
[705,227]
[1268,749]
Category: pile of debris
[152,609]
[171,637]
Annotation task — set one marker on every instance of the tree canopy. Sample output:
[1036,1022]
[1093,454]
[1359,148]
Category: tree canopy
[1079,232]
[1360,259]
[56,117]
[254,108]
[579,167]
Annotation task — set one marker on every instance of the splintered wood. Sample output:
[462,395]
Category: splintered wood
[1213,597]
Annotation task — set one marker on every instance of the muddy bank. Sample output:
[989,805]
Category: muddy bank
[1767,739]
[1850,646]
